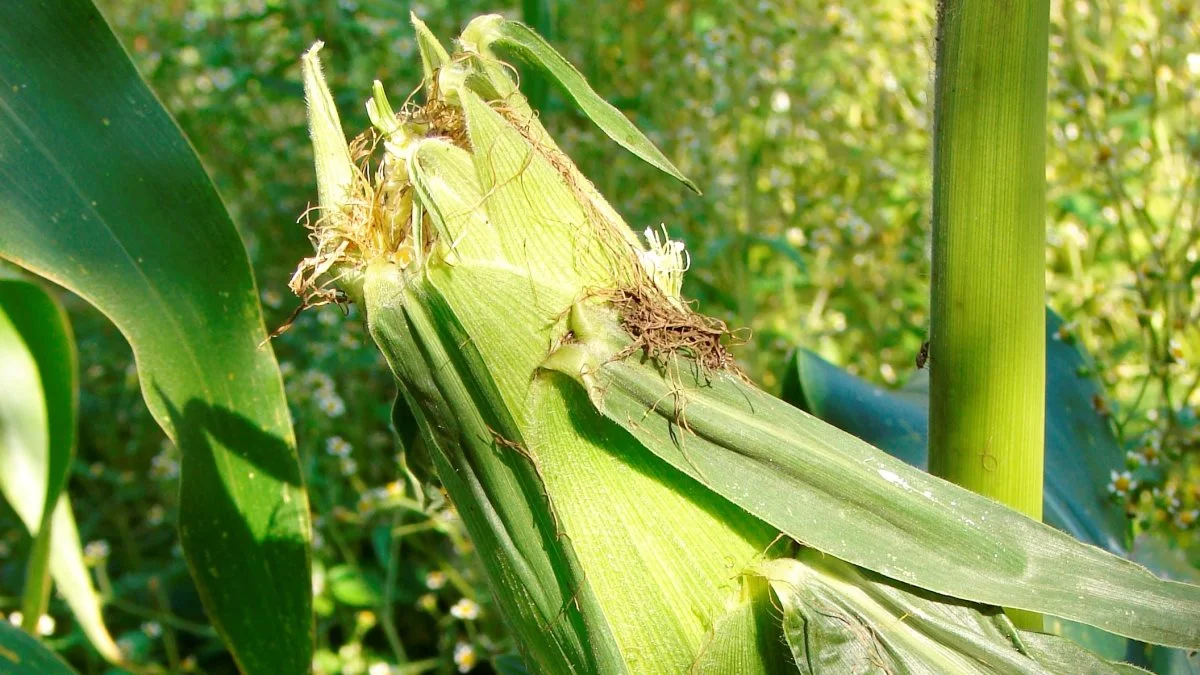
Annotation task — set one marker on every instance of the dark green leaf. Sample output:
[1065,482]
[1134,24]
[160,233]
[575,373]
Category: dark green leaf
[22,654]
[100,192]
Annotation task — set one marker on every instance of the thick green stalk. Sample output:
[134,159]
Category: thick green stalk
[987,342]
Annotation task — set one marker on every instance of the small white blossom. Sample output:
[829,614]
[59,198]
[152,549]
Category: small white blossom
[45,625]
[152,629]
[465,609]
[465,657]
[435,580]
[330,403]
[271,298]
[1122,483]
[338,447]
[96,550]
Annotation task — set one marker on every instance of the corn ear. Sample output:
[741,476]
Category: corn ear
[837,494]
[496,280]
[605,561]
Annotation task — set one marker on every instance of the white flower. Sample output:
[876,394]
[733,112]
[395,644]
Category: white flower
[16,618]
[379,668]
[96,550]
[780,101]
[337,446]
[465,657]
[164,465]
[435,580]
[349,466]
[1121,483]
[222,79]
[465,609]
[152,629]
[271,298]
[45,625]
[330,403]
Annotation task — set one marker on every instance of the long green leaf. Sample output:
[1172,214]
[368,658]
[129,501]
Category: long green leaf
[517,39]
[100,192]
[833,492]
[22,654]
[36,450]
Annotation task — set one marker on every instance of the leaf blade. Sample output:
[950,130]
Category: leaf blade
[94,181]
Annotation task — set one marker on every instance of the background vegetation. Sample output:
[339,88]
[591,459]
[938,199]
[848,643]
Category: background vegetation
[807,126]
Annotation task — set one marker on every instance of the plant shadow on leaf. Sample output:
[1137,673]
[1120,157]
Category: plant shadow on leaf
[250,541]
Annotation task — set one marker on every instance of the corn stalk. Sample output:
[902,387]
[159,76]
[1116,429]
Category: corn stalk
[638,505]
[988,383]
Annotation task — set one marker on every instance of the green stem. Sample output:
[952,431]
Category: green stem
[36,597]
[987,334]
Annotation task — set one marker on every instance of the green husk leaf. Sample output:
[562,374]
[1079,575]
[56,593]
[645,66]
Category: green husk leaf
[828,490]
[494,31]
[433,54]
[839,618]
[748,640]
[545,600]
[335,169]
[682,549]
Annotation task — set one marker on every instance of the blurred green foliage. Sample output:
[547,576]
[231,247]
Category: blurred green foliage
[807,126]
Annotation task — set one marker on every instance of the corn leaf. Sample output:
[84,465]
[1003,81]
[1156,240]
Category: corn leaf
[831,491]
[748,640]
[520,41]
[22,654]
[100,192]
[897,421]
